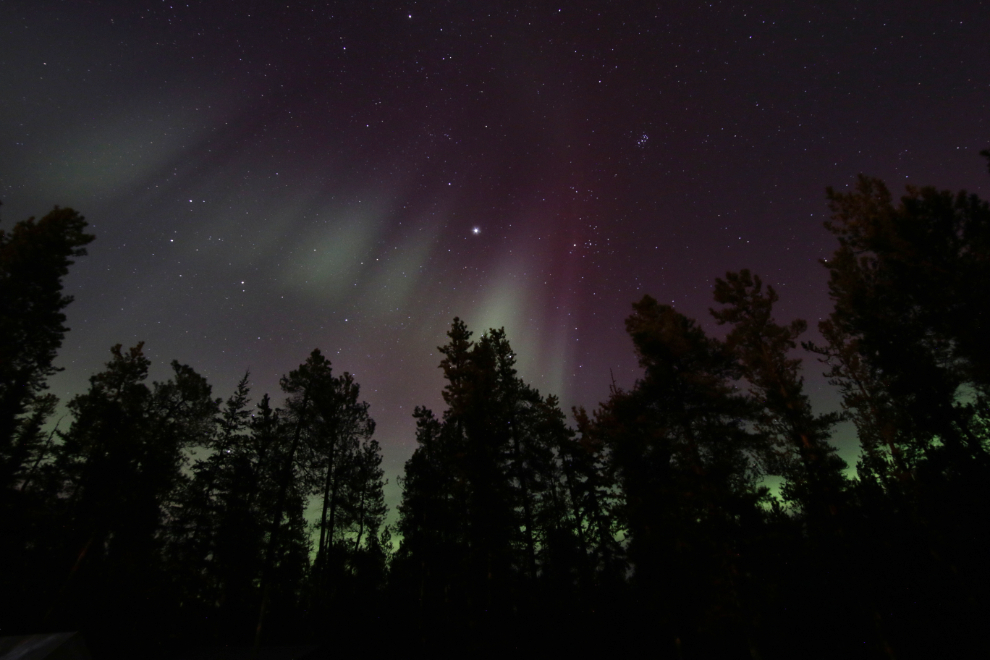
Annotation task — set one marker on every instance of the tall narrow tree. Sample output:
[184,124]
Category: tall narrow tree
[34,259]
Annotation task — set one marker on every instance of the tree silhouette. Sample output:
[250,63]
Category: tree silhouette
[34,259]
[906,345]
[346,477]
[486,519]
[801,452]
[683,460]
[905,281]
[112,479]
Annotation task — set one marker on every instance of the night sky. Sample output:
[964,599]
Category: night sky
[264,178]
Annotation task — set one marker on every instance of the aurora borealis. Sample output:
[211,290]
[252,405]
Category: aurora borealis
[264,178]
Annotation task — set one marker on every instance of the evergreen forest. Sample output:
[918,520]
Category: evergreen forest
[159,517]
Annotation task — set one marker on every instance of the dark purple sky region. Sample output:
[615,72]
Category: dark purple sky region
[268,177]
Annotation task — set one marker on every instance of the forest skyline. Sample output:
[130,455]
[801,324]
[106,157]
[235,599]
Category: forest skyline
[570,272]
[602,153]
[825,397]
[184,514]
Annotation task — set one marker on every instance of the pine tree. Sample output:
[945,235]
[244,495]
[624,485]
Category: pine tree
[323,447]
[800,439]
[342,474]
[34,259]
[367,503]
[432,518]
[907,283]
[683,461]
[292,462]
[906,346]
[486,520]
[214,506]
[594,500]
[118,468]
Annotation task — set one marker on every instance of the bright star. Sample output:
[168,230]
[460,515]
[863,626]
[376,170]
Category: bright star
[476,230]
